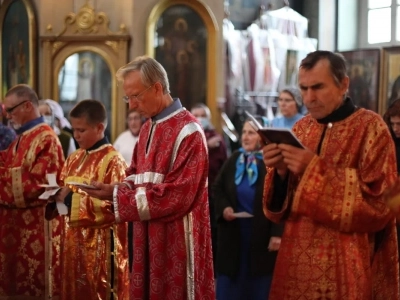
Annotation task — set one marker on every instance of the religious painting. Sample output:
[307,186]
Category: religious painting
[292,67]
[18,44]
[390,74]
[363,69]
[180,46]
[85,75]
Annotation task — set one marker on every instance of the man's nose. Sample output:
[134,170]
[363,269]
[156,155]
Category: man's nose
[132,104]
[308,95]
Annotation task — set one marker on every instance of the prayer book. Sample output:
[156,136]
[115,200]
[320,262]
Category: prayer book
[274,135]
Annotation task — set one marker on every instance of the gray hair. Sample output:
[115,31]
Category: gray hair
[151,71]
[24,91]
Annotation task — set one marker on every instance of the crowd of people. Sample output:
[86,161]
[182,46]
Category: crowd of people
[165,213]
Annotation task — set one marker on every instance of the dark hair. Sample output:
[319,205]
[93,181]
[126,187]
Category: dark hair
[24,91]
[392,111]
[336,61]
[395,94]
[93,110]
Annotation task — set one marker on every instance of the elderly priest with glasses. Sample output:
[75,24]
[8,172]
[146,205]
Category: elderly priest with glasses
[29,244]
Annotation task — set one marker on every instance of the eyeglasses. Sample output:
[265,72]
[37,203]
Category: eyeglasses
[135,97]
[12,108]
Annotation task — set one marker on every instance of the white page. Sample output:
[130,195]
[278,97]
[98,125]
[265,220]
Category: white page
[47,194]
[52,179]
[62,208]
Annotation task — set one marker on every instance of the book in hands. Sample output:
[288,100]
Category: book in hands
[270,135]
[82,185]
[51,189]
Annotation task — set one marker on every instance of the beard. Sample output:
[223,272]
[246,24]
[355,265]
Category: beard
[15,126]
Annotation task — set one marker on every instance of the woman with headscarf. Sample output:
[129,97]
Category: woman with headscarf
[53,115]
[290,106]
[247,240]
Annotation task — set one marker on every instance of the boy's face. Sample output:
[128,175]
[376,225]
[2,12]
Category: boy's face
[86,134]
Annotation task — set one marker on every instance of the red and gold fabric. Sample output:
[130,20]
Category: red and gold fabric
[340,238]
[166,197]
[29,245]
[94,255]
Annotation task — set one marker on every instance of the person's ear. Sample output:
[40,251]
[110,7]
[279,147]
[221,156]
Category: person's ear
[100,127]
[345,85]
[158,87]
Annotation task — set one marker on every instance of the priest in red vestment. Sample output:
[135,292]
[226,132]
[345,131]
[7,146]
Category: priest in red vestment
[165,192]
[29,245]
[340,238]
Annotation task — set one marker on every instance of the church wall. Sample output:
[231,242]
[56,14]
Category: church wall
[134,15]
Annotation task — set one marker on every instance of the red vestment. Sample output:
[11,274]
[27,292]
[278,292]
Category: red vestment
[167,200]
[94,250]
[29,245]
[340,238]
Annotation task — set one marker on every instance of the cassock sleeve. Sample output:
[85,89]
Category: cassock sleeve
[20,185]
[275,200]
[351,199]
[91,212]
[174,197]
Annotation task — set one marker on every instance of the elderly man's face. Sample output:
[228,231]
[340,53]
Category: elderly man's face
[321,94]
[395,124]
[16,110]
[142,98]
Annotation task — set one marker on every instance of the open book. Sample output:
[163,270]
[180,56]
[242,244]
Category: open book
[274,135]
[51,189]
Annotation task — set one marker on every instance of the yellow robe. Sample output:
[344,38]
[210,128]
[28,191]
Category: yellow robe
[88,267]
[340,238]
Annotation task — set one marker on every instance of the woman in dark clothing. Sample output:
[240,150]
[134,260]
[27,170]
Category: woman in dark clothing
[392,119]
[247,246]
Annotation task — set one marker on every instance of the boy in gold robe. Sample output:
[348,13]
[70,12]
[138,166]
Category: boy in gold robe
[94,256]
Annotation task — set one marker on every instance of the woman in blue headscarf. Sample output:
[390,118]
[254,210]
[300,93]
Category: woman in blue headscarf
[247,240]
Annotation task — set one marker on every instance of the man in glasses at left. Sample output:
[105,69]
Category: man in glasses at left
[29,245]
